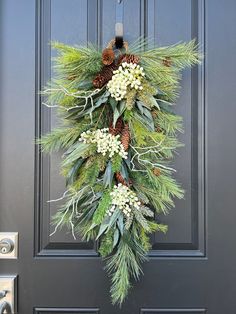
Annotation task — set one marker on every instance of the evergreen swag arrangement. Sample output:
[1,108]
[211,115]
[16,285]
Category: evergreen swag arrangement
[119,134]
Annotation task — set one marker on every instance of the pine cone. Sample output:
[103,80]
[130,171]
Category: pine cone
[120,179]
[158,129]
[71,77]
[157,171]
[104,75]
[128,58]
[117,129]
[167,62]
[125,136]
[108,56]
[154,114]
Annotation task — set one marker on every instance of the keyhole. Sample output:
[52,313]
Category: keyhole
[4,250]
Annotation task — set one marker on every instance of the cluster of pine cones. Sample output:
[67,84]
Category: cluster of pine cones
[110,64]
[122,129]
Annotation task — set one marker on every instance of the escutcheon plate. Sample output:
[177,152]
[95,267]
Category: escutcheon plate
[9,284]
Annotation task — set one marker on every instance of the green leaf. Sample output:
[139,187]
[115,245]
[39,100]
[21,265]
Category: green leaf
[113,103]
[116,115]
[71,177]
[114,218]
[140,107]
[78,151]
[119,109]
[124,172]
[102,99]
[120,224]
[102,229]
[108,175]
[87,84]
[148,114]
[141,219]
[116,237]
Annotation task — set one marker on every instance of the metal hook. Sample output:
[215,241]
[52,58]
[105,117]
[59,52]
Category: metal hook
[119,42]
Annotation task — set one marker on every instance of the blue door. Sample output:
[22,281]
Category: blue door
[192,268]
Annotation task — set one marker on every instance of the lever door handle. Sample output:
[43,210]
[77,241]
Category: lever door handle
[8,297]
[5,308]
[3,293]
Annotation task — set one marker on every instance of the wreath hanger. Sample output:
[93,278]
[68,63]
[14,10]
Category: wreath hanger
[119,29]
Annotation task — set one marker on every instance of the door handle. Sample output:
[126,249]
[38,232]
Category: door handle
[3,293]
[5,308]
[8,294]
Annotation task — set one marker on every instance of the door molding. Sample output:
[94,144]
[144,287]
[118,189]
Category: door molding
[67,310]
[44,246]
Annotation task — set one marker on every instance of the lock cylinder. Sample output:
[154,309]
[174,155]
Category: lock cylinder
[6,246]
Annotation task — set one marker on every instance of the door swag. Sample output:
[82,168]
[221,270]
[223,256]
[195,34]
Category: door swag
[119,134]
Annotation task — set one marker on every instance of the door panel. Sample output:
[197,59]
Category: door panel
[189,240]
[193,266]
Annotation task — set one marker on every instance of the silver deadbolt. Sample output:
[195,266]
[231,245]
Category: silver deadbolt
[8,245]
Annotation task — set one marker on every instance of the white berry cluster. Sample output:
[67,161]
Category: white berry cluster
[127,75]
[106,142]
[124,199]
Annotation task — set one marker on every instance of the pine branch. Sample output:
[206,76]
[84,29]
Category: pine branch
[166,78]
[160,190]
[61,138]
[77,62]
[160,144]
[106,245]
[182,55]
[116,163]
[124,264]
[102,208]
[168,122]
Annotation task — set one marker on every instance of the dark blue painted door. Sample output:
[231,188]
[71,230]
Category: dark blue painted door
[192,268]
